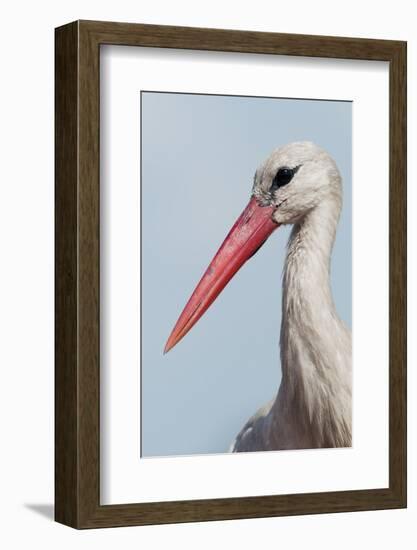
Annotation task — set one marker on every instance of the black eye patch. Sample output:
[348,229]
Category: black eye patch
[283,177]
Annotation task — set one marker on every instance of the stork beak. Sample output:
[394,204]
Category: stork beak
[248,234]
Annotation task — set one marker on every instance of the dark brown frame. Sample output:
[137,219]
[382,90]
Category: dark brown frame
[77,370]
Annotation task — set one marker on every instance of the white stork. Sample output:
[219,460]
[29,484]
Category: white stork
[298,184]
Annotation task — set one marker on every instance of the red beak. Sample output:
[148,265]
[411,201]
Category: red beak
[248,234]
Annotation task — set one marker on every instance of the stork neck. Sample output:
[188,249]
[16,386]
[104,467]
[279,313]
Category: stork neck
[306,285]
[315,344]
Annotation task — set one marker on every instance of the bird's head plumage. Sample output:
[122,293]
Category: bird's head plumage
[294,179]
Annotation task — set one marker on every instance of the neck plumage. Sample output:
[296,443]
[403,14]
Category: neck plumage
[313,405]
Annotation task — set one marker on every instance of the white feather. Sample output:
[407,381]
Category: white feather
[313,405]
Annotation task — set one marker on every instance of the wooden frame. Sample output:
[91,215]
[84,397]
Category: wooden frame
[77,406]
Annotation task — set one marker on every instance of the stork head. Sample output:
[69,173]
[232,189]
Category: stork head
[291,182]
[295,179]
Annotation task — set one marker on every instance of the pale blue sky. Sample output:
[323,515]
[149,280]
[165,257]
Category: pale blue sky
[199,155]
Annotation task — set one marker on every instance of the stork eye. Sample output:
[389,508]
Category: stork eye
[282,177]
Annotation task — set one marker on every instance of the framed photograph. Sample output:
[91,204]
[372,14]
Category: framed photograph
[230,274]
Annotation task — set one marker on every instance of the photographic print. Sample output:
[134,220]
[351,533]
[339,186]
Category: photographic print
[208,237]
[207,240]
[246,327]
